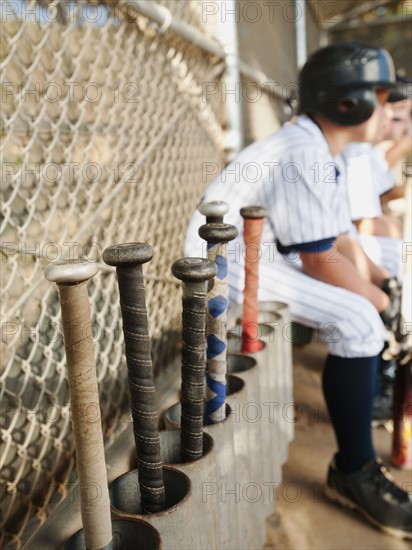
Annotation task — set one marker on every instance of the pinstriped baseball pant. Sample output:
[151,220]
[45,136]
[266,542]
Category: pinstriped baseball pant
[348,324]
[386,252]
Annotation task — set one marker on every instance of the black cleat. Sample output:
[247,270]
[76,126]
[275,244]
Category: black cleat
[372,492]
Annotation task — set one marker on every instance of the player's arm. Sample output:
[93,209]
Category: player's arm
[397,192]
[399,150]
[340,271]
[384,226]
[352,249]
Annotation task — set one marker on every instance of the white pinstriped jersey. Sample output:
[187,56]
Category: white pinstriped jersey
[293,175]
[368,177]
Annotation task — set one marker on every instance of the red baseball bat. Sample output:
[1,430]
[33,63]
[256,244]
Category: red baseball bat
[254,219]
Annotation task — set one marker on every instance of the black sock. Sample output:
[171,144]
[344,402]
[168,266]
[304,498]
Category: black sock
[349,388]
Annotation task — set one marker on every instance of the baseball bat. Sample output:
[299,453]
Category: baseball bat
[71,279]
[401,455]
[217,235]
[402,412]
[254,218]
[214,210]
[193,272]
[128,259]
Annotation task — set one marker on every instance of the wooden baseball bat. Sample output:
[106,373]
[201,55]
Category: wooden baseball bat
[217,235]
[254,218]
[402,413]
[193,272]
[128,259]
[71,279]
[401,455]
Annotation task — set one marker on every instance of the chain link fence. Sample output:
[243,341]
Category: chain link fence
[108,124]
[104,130]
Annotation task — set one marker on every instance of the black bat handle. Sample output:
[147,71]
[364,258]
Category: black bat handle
[194,272]
[128,259]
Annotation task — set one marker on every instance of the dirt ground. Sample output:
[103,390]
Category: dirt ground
[304,519]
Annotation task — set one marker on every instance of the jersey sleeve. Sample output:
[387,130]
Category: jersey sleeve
[309,203]
[383,176]
[361,181]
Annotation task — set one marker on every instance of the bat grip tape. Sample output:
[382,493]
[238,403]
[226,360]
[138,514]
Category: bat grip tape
[141,384]
[193,369]
[85,407]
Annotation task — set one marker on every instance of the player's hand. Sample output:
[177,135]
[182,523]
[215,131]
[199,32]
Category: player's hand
[391,315]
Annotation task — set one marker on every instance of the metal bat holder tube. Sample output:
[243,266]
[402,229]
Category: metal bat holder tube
[277,402]
[277,315]
[203,475]
[127,534]
[229,494]
[236,493]
[98,532]
[162,496]
[268,451]
[175,522]
[224,492]
[249,492]
[247,414]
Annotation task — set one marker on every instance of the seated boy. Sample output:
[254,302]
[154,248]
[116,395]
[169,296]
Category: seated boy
[298,175]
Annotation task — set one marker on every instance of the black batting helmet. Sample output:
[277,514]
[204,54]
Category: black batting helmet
[337,82]
[402,91]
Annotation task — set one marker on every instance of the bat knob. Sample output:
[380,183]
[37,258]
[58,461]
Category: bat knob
[70,271]
[194,270]
[213,208]
[218,232]
[128,254]
[253,212]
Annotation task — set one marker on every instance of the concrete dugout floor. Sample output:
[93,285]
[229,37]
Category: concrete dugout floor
[304,519]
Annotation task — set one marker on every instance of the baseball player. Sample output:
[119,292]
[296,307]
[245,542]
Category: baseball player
[298,175]
[369,175]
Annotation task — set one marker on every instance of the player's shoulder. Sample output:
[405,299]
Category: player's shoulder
[302,137]
[303,128]
[357,149]
[378,156]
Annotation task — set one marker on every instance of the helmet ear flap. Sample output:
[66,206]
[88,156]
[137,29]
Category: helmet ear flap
[366,103]
[354,107]
[347,104]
